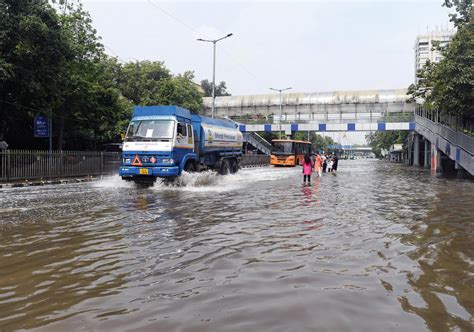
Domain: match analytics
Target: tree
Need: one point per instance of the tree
(89, 101)
(181, 91)
(463, 15)
(53, 63)
(448, 85)
(140, 81)
(318, 142)
(151, 83)
(221, 89)
(383, 140)
(32, 47)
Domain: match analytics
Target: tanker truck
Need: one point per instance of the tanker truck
(164, 141)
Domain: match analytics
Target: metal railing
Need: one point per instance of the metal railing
(30, 164)
(258, 141)
(465, 142)
(389, 117)
(456, 123)
(454, 129)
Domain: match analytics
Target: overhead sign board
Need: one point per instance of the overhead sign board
(339, 146)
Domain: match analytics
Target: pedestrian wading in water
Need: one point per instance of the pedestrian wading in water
(307, 168)
(318, 167)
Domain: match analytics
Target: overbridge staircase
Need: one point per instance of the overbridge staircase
(258, 142)
(255, 140)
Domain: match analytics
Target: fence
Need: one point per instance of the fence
(255, 160)
(456, 123)
(27, 164)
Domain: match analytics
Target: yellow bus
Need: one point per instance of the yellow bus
(288, 152)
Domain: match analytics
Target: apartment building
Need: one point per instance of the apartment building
(424, 47)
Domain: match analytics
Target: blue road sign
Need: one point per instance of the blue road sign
(41, 126)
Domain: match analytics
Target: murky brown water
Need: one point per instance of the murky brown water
(378, 247)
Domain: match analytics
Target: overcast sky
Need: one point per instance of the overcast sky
(308, 45)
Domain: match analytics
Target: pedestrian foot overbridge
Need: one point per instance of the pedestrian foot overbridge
(336, 107)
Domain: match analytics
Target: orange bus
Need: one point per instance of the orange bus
(288, 152)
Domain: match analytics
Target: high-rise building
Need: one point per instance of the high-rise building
(424, 47)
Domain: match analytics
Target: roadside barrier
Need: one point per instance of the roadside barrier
(35, 164)
(255, 160)
(16, 165)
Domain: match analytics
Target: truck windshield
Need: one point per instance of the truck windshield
(282, 148)
(150, 130)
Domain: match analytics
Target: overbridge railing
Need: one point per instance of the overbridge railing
(453, 129)
(31, 164)
(456, 123)
(258, 142)
(344, 118)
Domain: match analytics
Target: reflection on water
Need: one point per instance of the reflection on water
(377, 247)
(444, 252)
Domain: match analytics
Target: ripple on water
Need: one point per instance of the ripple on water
(376, 247)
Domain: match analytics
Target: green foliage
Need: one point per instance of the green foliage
(448, 85)
(150, 83)
(383, 140)
(463, 13)
(32, 49)
(318, 142)
(140, 81)
(180, 90)
(53, 64)
(221, 89)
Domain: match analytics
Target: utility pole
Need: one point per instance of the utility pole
(281, 112)
(214, 42)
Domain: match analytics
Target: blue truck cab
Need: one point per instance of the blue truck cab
(164, 141)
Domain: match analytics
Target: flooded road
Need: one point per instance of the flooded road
(379, 247)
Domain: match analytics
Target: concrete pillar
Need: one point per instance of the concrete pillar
(427, 154)
(416, 151)
(439, 165)
(408, 160)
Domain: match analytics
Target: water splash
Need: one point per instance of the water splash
(210, 181)
(114, 181)
(207, 181)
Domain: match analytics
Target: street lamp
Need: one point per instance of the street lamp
(281, 114)
(214, 68)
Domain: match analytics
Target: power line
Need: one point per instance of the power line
(47, 113)
(174, 18)
(200, 34)
(118, 56)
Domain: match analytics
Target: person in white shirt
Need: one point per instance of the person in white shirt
(329, 162)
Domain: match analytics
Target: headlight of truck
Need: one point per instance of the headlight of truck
(168, 161)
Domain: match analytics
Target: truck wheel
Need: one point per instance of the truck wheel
(234, 166)
(225, 168)
(190, 167)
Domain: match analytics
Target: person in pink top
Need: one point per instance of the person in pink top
(307, 168)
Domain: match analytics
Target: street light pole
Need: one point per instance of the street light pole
(214, 42)
(281, 112)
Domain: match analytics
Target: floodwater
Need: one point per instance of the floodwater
(379, 247)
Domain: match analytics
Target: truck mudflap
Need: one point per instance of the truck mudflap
(159, 171)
